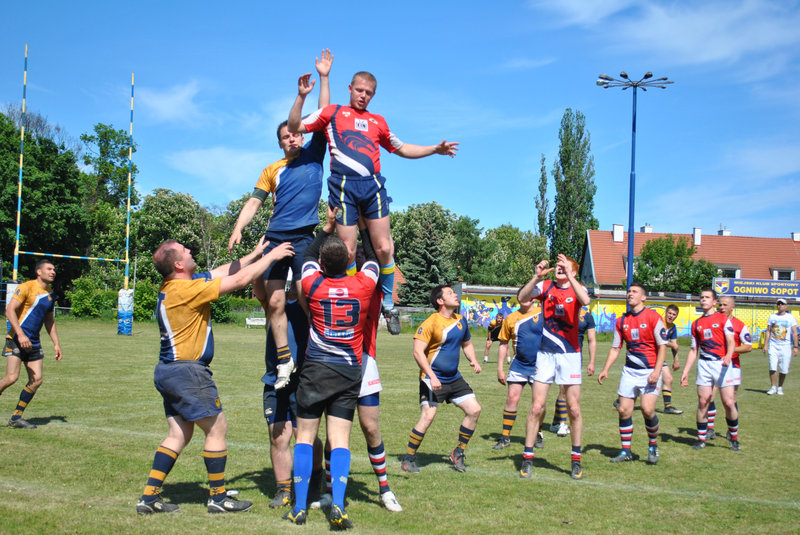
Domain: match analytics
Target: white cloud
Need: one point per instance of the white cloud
(767, 162)
(175, 104)
(525, 64)
(233, 171)
(583, 12)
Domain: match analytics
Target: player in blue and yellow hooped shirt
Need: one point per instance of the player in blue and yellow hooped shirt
(27, 310)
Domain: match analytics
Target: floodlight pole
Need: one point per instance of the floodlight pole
(605, 81)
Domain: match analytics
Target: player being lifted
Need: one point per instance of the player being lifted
(356, 185)
(295, 182)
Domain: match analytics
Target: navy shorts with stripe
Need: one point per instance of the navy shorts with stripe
(188, 389)
(354, 194)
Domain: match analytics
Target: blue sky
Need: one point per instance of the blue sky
(719, 147)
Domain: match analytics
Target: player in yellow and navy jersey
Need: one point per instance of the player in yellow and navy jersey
(523, 328)
(437, 349)
(182, 376)
(295, 183)
(27, 310)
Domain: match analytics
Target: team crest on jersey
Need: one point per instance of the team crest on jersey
(634, 334)
(460, 328)
(361, 124)
(569, 300)
(373, 121)
(346, 113)
(338, 292)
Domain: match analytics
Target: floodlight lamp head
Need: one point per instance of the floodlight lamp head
(624, 75)
(605, 77)
(602, 83)
(647, 75)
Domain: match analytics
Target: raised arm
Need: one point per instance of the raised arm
(580, 291)
(323, 69)
(245, 216)
(232, 267)
(304, 86)
(242, 277)
(526, 292)
(411, 151)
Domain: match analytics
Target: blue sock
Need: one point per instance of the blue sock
(386, 281)
(340, 471)
(303, 461)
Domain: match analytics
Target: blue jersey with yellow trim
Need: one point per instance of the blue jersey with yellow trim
(585, 322)
(444, 337)
(296, 187)
(184, 318)
(37, 302)
(525, 332)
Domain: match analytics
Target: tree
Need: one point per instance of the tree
(465, 246)
(667, 265)
(419, 235)
(542, 203)
(573, 177)
(510, 255)
(107, 153)
(52, 219)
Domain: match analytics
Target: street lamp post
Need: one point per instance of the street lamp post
(605, 81)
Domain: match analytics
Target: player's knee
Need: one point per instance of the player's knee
(35, 383)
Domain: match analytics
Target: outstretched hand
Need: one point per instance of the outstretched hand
(447, 149)
(542, 270)
(305, 84)
(324, 63)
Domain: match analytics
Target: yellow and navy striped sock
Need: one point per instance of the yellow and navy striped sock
(215, 465)
(508, 422)
(163, 462)
(464, 434)
(667, 398)
(284, 354)
(560, 415)
(414, 440)
(25, 397)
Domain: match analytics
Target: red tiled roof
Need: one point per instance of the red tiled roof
(399, 280)
(755, 256)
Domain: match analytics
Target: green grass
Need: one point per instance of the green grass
(100, 420)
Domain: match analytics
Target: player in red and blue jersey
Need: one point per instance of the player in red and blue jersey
(356, 186)
(742, 344)
(645, 338)
(437, 350)
(712, 348)
(330, 379)
(369, 403)
(559, 360)
(27, 311)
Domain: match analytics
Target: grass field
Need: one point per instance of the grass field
(100, 420)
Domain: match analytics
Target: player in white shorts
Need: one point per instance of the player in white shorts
(781, 345)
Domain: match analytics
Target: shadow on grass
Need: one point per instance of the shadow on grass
(186, 492)
(47, 419)
(756, 390)
(604, 450)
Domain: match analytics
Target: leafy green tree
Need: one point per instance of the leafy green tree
(510, 255)
(667, 265)
(542, 203)
(420, 233)
(573, 177)
(107, 153)
(53, 219)
(464, 245)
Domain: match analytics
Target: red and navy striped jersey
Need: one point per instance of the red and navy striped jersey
(354, 137)
(708, 335)
(642, 334)
(338, 308)
(561, 309)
